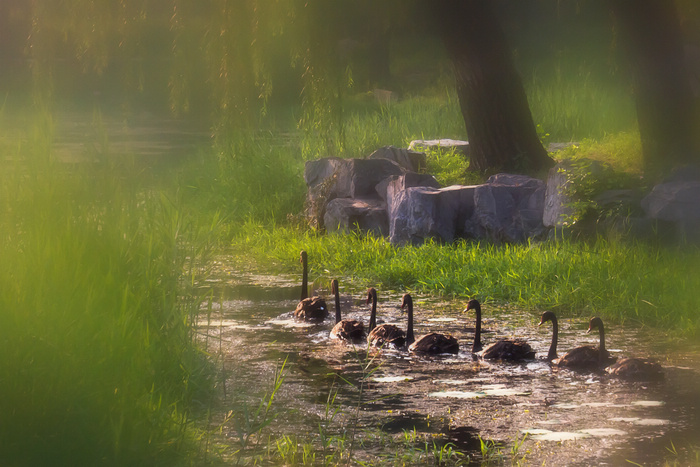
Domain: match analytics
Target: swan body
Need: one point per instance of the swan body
(588, 356)
(309, 308)
(345, 329)
(385, 334)
(505, 349)
(431, 343)
(636, 369)
(509, 349)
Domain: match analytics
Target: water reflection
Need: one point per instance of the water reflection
(582, 417)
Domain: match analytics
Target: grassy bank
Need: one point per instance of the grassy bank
(99, 361)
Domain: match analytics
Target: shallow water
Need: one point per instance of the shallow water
(569, 418)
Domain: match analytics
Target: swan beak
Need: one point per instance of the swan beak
(541, 323)
(589, 330)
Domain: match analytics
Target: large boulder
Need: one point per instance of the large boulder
(677, 205)
(674, 201)
(419, 213)
(349, 178)
(395, 183)
(366, 215)
(332, 177)
(508, 208)
(410, 160)
(556, 210)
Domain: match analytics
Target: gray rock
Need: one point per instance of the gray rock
(401, 182)
(508, 208)
(686, 173)
(359, 177)
(366, 215)
(349, 178)
(332, 177)
(420, 213)
(675, 201)
(622, 203)
(556, 203)
(442, 144)
(409, 160)
(319, 171)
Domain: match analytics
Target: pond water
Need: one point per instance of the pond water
(569, 418)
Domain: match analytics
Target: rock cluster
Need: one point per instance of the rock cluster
(388, 194)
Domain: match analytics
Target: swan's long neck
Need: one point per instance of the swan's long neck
(304, 278)
(477, 331)
(555, 338)
(373, 316)
(602, 353)
(338, 318)
(409, 330)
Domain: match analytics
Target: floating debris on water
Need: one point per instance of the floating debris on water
(488, 390)
(391, 379)
(603, 432)
(560, 436)
(648, 403)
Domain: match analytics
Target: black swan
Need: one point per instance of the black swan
(588, 356)
(384, 334)
(309, 308)
(345, 329)
(549, 316)
(636, 369)
(431, 343)
(505, 349)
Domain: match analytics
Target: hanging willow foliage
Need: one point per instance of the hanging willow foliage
(217, 57)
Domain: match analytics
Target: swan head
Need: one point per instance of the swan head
(473, 304)
(334, 286)
(547, 316)
(406, 301)
(303, 256)
(371, 294)
(595, 323)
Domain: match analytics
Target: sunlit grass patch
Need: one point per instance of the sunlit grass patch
(99, 362)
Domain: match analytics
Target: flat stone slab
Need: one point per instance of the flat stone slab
(444, 144)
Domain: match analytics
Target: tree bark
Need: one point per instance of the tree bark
(502, 135)
(651, 36)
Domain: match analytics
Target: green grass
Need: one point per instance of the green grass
(572, 101)
(99, 361)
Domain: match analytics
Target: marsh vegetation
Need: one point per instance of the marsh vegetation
(149, 264)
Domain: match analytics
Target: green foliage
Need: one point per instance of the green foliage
(586, 180)
(448, 167)
(571, 102)
(99, 363)
(622, 151)
(251, 178)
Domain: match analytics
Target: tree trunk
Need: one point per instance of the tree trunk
(501, 132)
(650, 32)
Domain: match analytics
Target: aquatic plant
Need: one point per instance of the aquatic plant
(100, 364)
